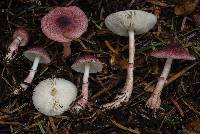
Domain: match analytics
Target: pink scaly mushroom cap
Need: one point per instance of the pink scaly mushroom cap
(23, 34)
(95, 64)
(38, 51)
(174, 52)
(64, 24)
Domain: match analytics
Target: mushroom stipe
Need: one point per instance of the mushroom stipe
(36, 55)
(20, 38)
(174, 51)
(86, 64)
(128, 23)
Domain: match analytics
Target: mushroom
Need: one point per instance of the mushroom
(64, 24)
(174, 51)
(86, 64)
(36, 55)
(54, 96)
(128, 23)
(20, 38)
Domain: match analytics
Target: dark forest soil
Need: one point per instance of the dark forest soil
(17, 113)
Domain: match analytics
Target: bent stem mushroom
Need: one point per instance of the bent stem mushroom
(171, 52)
(87, 64)
(128, 23)
(37, 55)
(20, 38)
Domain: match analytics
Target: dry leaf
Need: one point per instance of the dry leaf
(194, 127)
(186, 8)
(196, 18)
(118, 61)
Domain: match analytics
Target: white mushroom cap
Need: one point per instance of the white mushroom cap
(54, 96)
(37, 51)
(130, 20)
(92, 61)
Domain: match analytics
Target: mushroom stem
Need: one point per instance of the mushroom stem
(35, 63)
(154, 101)
(128, 87)
(13, 48)
(66, 49)
(82, 102)
(31, 75)
(131, 47)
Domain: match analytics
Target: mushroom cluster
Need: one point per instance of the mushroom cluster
(54, 96)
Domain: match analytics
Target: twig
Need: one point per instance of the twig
(177, 106)
(131, 3)
(9, 123)
(110, 47)
(35, 124)
(158, 3)
(105, 89)
(81, 43)
(191, 107)
(125, 128)
(183, 23)
(52, 124)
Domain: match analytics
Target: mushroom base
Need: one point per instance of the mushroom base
(125, 93)
(82, 103)
(154, 102)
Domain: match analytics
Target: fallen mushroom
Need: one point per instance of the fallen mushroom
(128, 23)
(173, 51)
(36, 55)
(87, 64)
(54, 96)
(64, 24)
(20, 38)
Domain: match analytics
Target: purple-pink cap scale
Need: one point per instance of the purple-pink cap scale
(23, 34)
(64, 24)
(174, 52)
(94, 62)
(37, 51)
